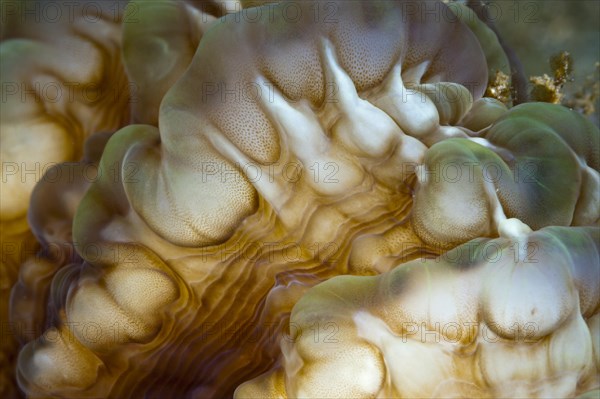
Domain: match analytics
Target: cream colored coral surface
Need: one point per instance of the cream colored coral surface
(304, 199)
(483, 320)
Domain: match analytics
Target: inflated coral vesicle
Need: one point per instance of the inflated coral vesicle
(62, 80)
(264, 152)
(220, 218)
(515, 316)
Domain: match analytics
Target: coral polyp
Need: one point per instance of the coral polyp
(279, 200)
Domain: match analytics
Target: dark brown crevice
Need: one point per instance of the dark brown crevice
(519, 81)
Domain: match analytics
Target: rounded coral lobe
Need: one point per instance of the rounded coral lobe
(273, 148)
(483, 320)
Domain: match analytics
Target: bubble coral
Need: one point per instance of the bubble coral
(61, 82)
(306, 150)
(63, 79)
(483, 320)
